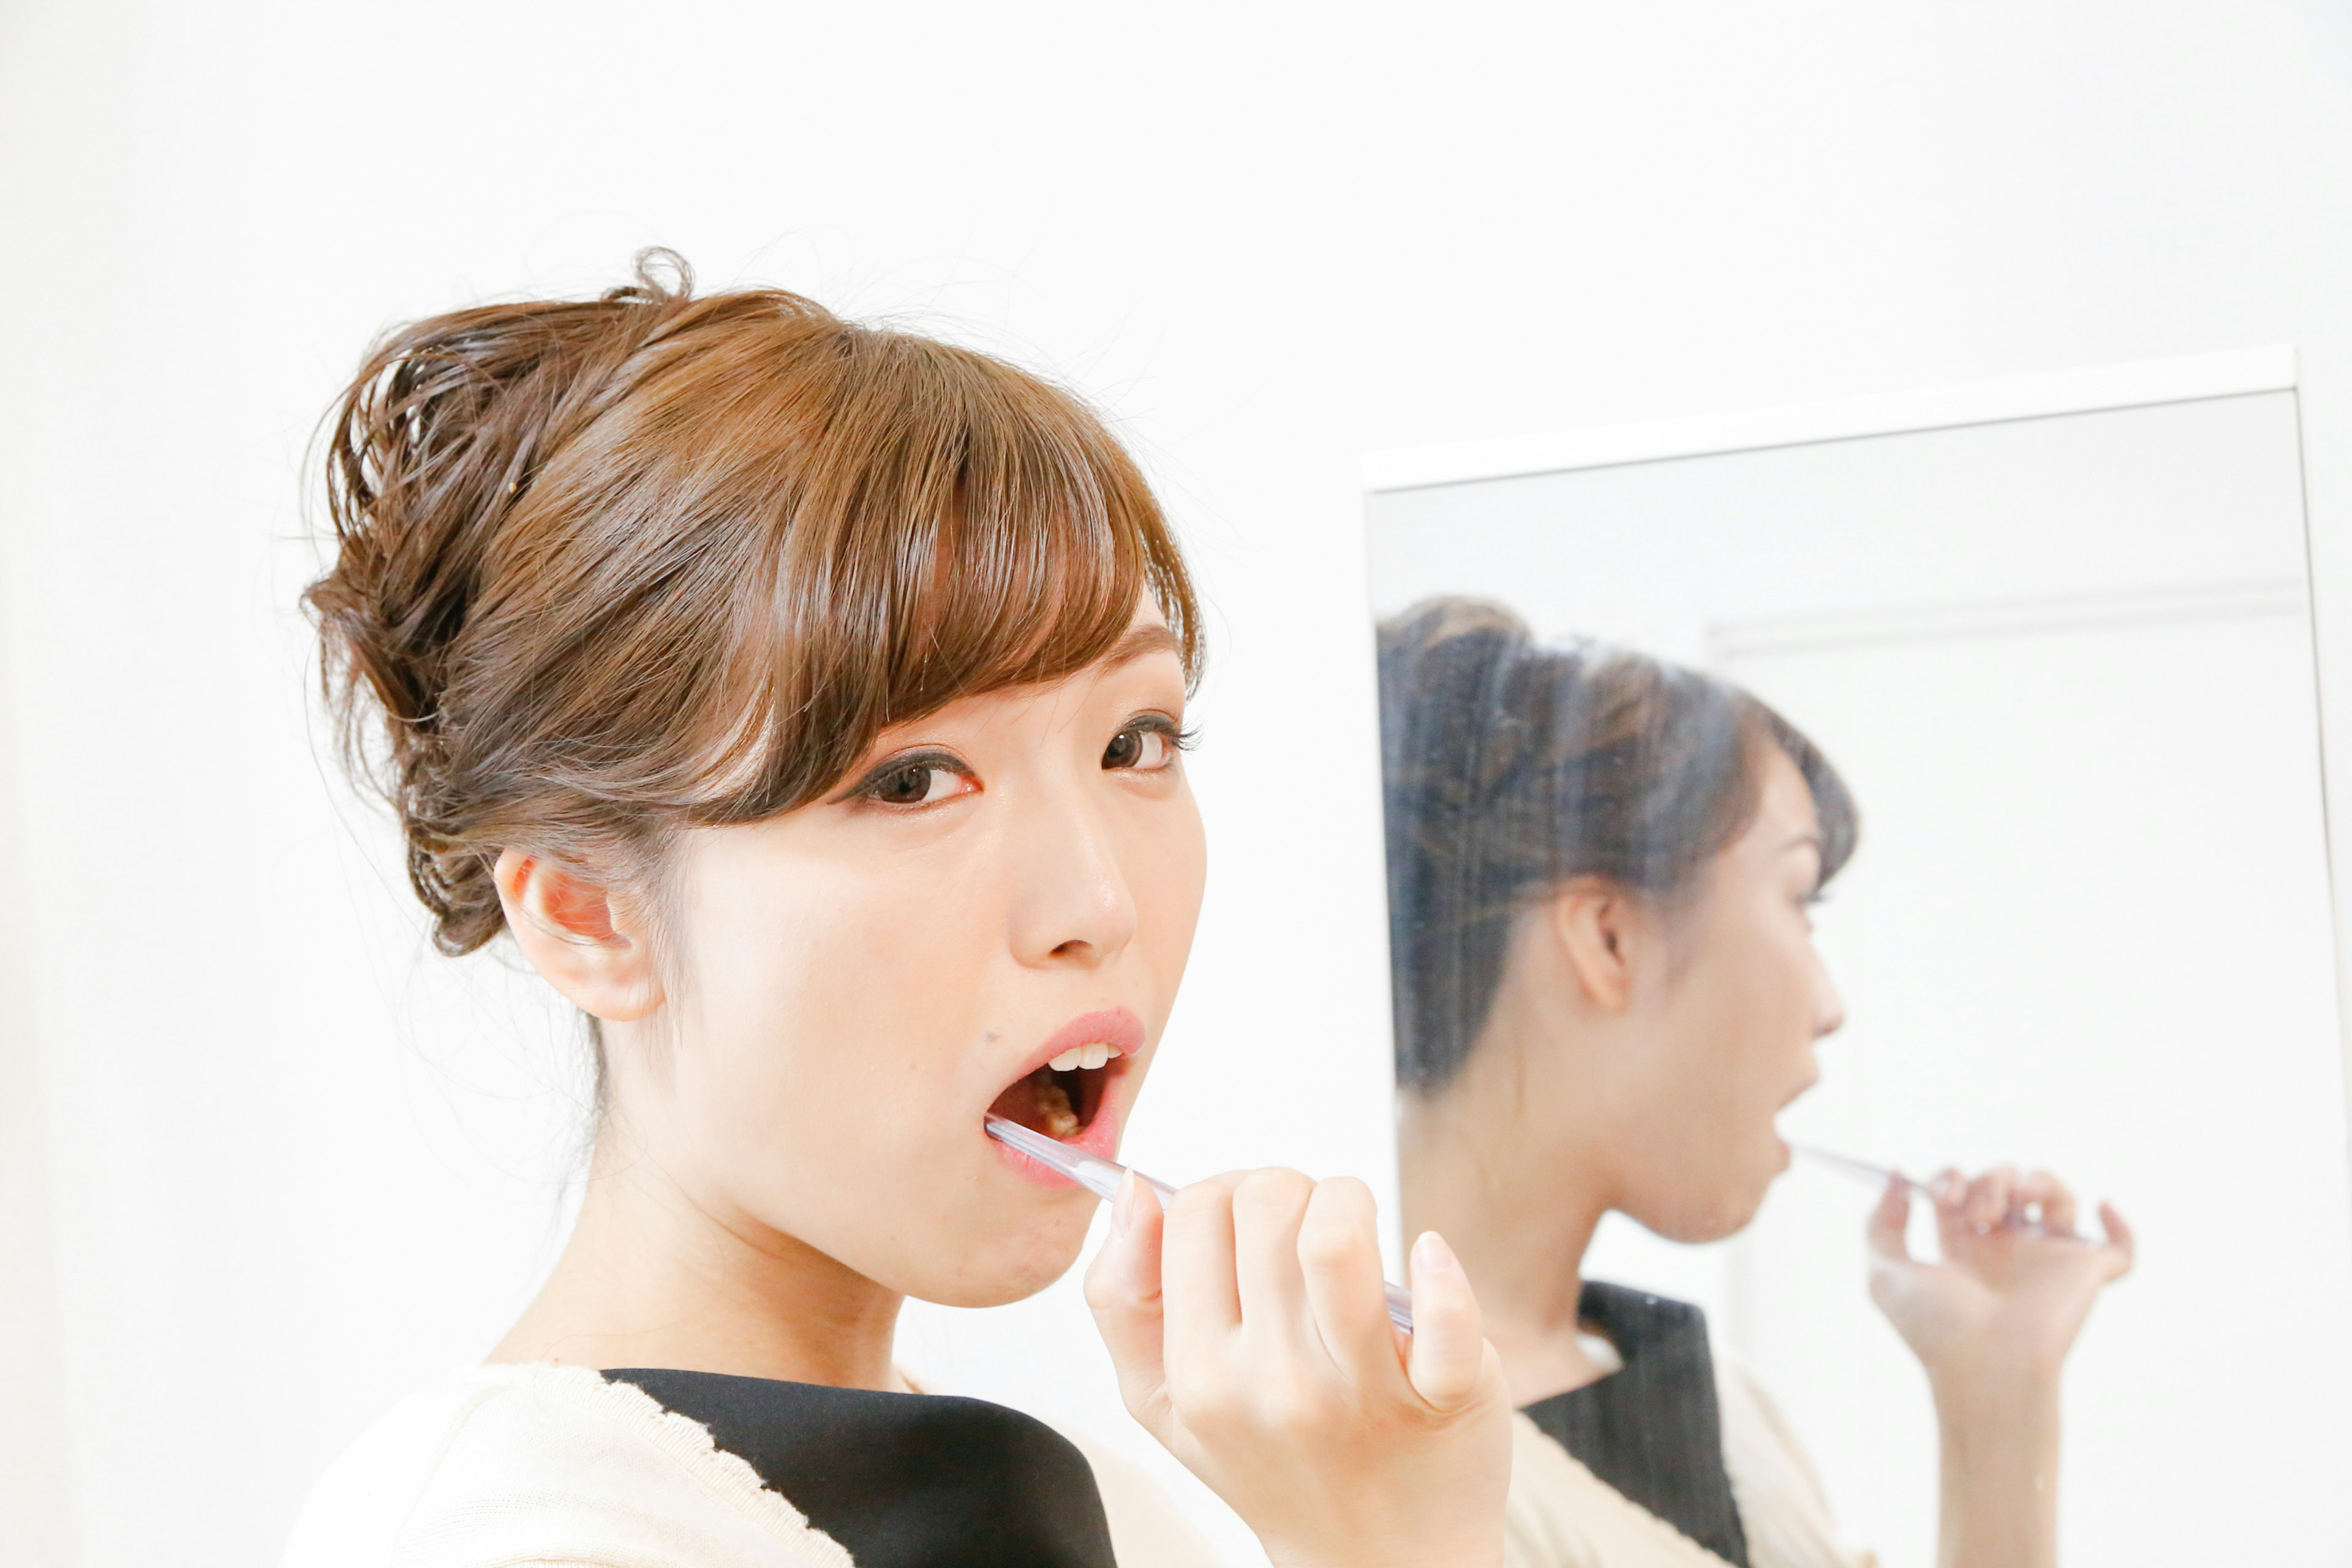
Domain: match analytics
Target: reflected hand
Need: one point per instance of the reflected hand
(2015, 1283)
(1255, 1344)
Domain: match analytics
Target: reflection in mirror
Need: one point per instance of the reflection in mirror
(1634, 720)
(1602, 874)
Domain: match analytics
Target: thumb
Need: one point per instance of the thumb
(2121, 1246)
(1123, 1291)
(1449, 1341)
(1889, 1224)
(1892, 1269)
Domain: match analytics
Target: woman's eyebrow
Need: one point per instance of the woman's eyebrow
(1140, 640)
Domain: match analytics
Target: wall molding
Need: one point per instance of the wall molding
(2020, 616)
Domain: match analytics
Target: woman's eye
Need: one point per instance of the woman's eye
(1145, 748)
(915, 784)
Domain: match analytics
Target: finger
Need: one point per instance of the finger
(1268, 1207)
(2121, 1244)
(1122, 1289)
(1950, 1191)
(1198, 1294)
(1890, 1224)
(1449, 1339)
(1339, 1259)
(2041, 1190)
(1988, 1197)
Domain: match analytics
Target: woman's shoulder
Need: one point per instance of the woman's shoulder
(1147, 1528)
(521, 1464)
(1559, 1514)
(1783, 1505)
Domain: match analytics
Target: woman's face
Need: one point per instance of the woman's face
(1009, 883)
(1730, 1025)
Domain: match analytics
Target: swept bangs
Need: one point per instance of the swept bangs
(811, 531)
(970, 529)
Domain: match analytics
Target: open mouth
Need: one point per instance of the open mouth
(1063, 1096)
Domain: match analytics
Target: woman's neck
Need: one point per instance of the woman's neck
(1519, 1208)
(652, 1277)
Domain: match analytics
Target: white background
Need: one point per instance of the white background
(266, 1162)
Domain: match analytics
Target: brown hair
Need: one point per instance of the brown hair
(1509, 769)
(610, 568)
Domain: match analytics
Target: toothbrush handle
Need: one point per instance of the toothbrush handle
(1400, 1306)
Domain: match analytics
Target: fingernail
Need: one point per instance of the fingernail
(1122, 1208)
(1431, 1255)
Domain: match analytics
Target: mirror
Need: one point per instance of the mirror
(2055, 639)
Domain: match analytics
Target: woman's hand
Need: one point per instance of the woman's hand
(2015, 1283)
(1992, 1323)
(1253, 1341)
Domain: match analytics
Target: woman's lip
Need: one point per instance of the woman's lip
(1099, 1137)
(1109, 1025)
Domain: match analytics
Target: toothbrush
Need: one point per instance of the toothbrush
(1860, 1170)
(1879, 1176)
(1101, 1177)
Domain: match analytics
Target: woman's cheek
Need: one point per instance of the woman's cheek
(1172, 859)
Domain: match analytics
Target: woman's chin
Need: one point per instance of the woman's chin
(1012, 1269)
(1712, 1215)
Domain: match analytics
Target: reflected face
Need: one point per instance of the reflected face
(1731, 1025)
(992, 909)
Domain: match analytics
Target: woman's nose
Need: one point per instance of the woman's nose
(1829, 1007)
(1073, 904)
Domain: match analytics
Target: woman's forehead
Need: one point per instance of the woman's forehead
(1785, 813)
(1149, 645)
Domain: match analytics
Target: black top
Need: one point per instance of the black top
(1651, 1429)
(902, 1479)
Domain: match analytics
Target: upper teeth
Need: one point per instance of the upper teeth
(1087, 1056)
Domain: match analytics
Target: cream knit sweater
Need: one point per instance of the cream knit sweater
(1561, 1515)
(549, 1466)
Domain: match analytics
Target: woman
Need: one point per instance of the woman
(1600, 874)
(806, 703)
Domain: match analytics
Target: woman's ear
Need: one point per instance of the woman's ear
(588, 943)
(1598, 926)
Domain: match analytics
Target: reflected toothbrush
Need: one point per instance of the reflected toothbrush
(1880, 1176)
(1101, 1177)
(1860, 1170)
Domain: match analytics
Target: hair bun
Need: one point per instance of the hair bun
(1446, 673)
(429, 449)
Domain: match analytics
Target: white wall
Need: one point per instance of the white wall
(293, 1164)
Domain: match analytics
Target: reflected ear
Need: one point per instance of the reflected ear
(1596, 925)
(584, 939)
